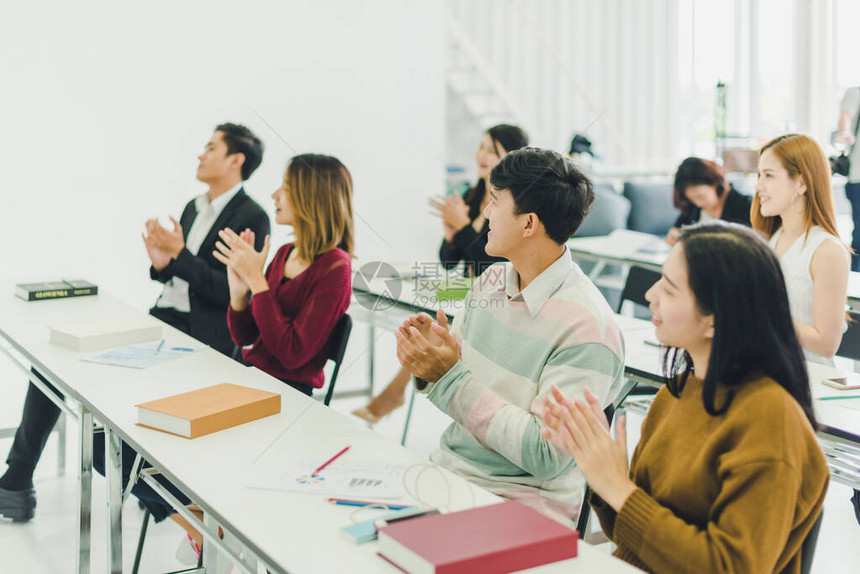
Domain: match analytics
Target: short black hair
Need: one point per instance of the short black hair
(549, 185)
(240, 139)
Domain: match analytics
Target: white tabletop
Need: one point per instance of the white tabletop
(291, 531)
(837, 416)
(623, 246)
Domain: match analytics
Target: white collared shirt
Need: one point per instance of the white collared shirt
(543, 286)
(175, 292)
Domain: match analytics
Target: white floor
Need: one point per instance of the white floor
(46, 545)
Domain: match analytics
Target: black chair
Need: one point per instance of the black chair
(639, 280)
(850, 345)
(339, 339)
(807, 549)
(585, 509)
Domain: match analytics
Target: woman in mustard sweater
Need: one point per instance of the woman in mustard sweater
(727, 476)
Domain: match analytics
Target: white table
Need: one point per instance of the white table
(284, 531)
(621, 247)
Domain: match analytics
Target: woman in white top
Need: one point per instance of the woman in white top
(793, 207)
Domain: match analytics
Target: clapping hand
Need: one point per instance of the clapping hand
(426, 348)
(453, 211)
(244, 263)
(162, 245)
(580, 428)
(170, 242)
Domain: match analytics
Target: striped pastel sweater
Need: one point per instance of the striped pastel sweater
(514, 346)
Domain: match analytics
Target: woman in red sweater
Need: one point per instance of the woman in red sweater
(727, 475)
(285, 325)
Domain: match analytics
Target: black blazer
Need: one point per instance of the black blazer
(736, 209)
(208, 292)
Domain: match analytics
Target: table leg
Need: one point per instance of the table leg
(85, 483)
(113, 477)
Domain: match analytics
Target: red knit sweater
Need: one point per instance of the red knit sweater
(289, 325)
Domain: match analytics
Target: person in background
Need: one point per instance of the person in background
(527, 324)
(195, 294)
(284, 318)
(465, 229)
(793, 208)
(846, 134)
(728, 475)
(285, 328)
(702, 193)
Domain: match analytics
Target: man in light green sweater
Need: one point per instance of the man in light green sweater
(527, 324)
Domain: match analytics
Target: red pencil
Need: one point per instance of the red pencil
(329, 461)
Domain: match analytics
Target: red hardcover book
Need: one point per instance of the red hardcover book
(492, 539)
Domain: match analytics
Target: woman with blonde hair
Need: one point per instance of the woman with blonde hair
(793, 208)
(286, 326)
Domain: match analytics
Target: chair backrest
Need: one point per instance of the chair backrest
(639, 280)
(339, 339)
(585, 510)
(807, 549)
(850, 345)
(651, 207)
(609, 212)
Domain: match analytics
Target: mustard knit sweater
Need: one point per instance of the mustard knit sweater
(737, 492)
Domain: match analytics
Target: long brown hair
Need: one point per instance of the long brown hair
(319, 188)
(801, 156)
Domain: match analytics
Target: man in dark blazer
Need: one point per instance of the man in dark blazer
(196, 294)
(194, 300)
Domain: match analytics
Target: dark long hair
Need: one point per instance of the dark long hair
(506, 138)
(736, 277)
(697, 171)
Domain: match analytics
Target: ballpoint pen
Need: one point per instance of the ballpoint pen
(345, 502)
(161, 344)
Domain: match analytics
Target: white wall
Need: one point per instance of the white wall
(609, 69)
(105, 107)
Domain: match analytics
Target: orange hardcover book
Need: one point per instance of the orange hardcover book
(494, 539)
(208, 410)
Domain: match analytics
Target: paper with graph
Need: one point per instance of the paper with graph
(140, 356)
(346, 478)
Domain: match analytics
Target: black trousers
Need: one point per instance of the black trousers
(37, 421)
(40, 415)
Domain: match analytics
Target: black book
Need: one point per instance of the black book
(55, 290)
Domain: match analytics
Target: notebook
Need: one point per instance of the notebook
(492, 539)
(93, 335)
(208, 410)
